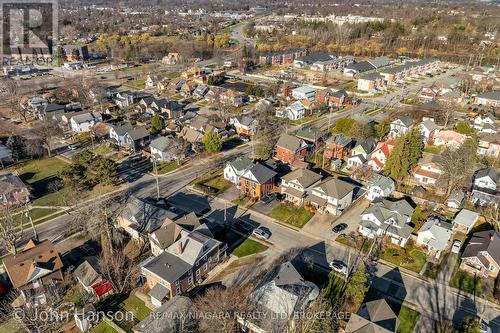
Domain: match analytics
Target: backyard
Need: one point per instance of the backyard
(249, 247)
(131, 306)
(409, 257)
(103, 327)
(295, 216)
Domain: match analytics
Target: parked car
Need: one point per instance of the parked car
(339, 267)
(243, 227)
(268, 198)
(74, 146)
(484, 328)
(455, 248)
(262, 233)
(339, 227)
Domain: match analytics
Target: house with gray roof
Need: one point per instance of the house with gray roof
(374, 316)
(485, 187)
(297, 184)
(136, 138)
(168, 317)
(290, 148)
(90, 277)
(283, 293)
(388, 218)
(244, 125)
(434, 236)
(84, 122)
(331, 196)
(140, 217)
(465, 220)
(456, 199)
(117, 133)
(236, 168)
(258, 181)
(13, 191)
(400, 126)
(382, 187)
(489, 98)
(182, 265)
(481, 256)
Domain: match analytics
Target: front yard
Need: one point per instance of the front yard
(164, 168)
(249, 247)
(407, 320)
(357, 242)
(213, 183)
(287, 213)
(409, 257)
(39, 174)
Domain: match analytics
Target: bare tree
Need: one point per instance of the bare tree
(179, 148)
(14, 96)
(47, 131)
(118, 268)
(10, 232)
(458, 166)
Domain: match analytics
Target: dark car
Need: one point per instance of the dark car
(268, 198)
(243, 227)
(339, 227)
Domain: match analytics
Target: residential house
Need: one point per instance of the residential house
(136, 138)
(428, 129)
(331, 196)
(283, 294)
(36, 272)
(168, 109)
(140, 217)
(309, 59)
(175, 85)
(161, 150)
(86, 317)
(449, 139)
(171, 231)
(151, 81)
(117, 133)
(381, 188)
(489, 99)
(398, 74)
(101, 130)
(489, 145)
(51, 110)
(165, 319)
(338, 98)
(358, 68)
(188, 88)
(232, 97)
(183, 265)
(297, 184)
(400, 126)
(481, 256)
(213, 94)
(374, 316)
(257, 181)
(244, 125)
(89, 276)
(379, 156)
(485, 187)
(371, 82)
(435, 236)
(338, 146)
(124, 99)
(200, 91)
(388, 218)
(428, 169)
(311, 135)
(13, 191)
(484, 121)
(85, 122)
(464, 221)
(236, 168)
(304, 92)
(191, 135)
(290, 148)
(294, 111)
(360, 153)
(456, 199)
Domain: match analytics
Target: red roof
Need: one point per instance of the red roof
(102, 288)
(378, 162)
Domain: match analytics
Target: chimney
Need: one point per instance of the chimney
(179, 247)
(492, 236)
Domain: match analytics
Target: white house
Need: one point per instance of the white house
(360, 153)
(380, 154)
(388, 218)
(124, 99)
(297, 184)
(400, 126)
(382, 187)
(84, 122)
(482, 121)
(456, 199)
(304, 92)
(428, 170)
(235, 169)
(464, 221)
(434, 236)
(151, 81)
(117, 133)
(294, 111)
(160, 149)
(485, 187)
(489, 145)
(331, 196)
(428, 129)
(449, 139)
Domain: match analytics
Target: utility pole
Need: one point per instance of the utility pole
(156, 176)
(28, 215)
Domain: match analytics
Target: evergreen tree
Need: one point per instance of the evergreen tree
(357, 287)
(212, 142)
(157, 123)
(405, 155)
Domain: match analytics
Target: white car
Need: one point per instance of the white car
(262, 233)
(455, 248)
(339, 267)
(484, 328)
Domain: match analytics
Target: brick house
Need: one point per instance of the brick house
(338, 146)
(290, 148)
(257, 181)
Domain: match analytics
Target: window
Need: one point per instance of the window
(190, 280)
(206, 266)
(177, 282)
(178, 290)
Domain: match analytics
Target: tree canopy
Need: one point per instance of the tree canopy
(405, 155)
(212, 142)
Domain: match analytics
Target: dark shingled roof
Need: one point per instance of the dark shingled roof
(488, 241)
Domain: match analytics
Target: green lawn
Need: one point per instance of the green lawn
(52, 199)
(218, 183)
(213, 183)
(410, 257)
(249, 247)
(39, 173)
(136, 84)
(136, 306)
(242, 201)
(36, 213)
(357, 242)
(104, 149)
(465, 281)
(167, 167)
(103, 327)
(296, 216)
(11, 326)
(407, 320)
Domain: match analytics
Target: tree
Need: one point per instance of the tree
(12, 90)
(462, 159)
(212, 142)
(118, 268)
(382, 129)
(105, 170)
(74, 175)
(46, 131)
(16, 144)
(356, 288)
(361, 130)
(470, 324)
(464, 127)
(405, 155)
(157, 123)
(10, 231)
(83, 157)
(344, 125)
(179, 148)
